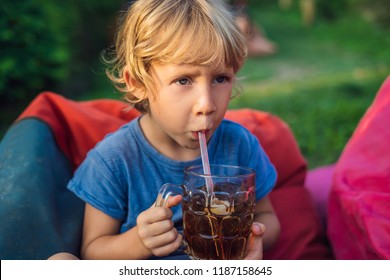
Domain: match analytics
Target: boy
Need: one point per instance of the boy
(175, 61)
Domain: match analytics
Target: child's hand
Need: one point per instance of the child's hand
(156, 230)
(255, 245)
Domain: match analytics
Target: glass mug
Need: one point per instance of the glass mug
(217, 222)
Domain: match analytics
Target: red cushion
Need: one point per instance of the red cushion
(303, 237)
(78, 126)
(359, 202)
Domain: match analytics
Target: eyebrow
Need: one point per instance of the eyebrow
(214, 70)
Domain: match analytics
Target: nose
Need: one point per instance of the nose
(205, 103)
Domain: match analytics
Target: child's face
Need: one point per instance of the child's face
(190, 98)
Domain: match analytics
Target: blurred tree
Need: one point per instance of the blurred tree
(51, 45)
(307, 8)
(308, 11)
(96, 26)
(331, 9)
(374, 10)
(34, 48)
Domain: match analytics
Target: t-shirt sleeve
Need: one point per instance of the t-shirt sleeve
(234, 144)
(95, 183)
(265, 171)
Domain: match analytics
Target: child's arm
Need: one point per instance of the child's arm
(265, 229)
(153, 235)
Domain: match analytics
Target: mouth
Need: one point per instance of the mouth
(196, 136)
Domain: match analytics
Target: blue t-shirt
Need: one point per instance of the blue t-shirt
(122, 175)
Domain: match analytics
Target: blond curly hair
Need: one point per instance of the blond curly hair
(200, 32)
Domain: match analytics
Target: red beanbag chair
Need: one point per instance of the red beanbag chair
(78, 126)
(359, 202)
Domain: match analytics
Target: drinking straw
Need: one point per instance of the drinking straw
(205, 161)
(210, 187)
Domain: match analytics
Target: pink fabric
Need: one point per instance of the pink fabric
(359, 201)
(318, 182)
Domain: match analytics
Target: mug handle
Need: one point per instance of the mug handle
(165, 192)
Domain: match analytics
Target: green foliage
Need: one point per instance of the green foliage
(35, 47)
(331, 9)
(51, 45)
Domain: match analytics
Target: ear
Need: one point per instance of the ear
(133, 85)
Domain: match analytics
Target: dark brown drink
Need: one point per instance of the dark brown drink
(217, 226)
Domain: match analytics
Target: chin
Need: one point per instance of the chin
(191, 145)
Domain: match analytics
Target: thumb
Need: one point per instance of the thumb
(258, 229)
(174, 200)
(171, 201)
(255, 242)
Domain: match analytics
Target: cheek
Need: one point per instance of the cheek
(169, 112)
(223, 98)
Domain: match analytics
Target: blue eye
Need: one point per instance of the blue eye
(221, 79)
(183, 81)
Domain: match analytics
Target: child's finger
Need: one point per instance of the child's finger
(171, 201)
(258, 229)
(174, 200)
(255, 243)
(169, 247)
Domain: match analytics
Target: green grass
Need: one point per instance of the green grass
(320, 82)
(321, 116)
